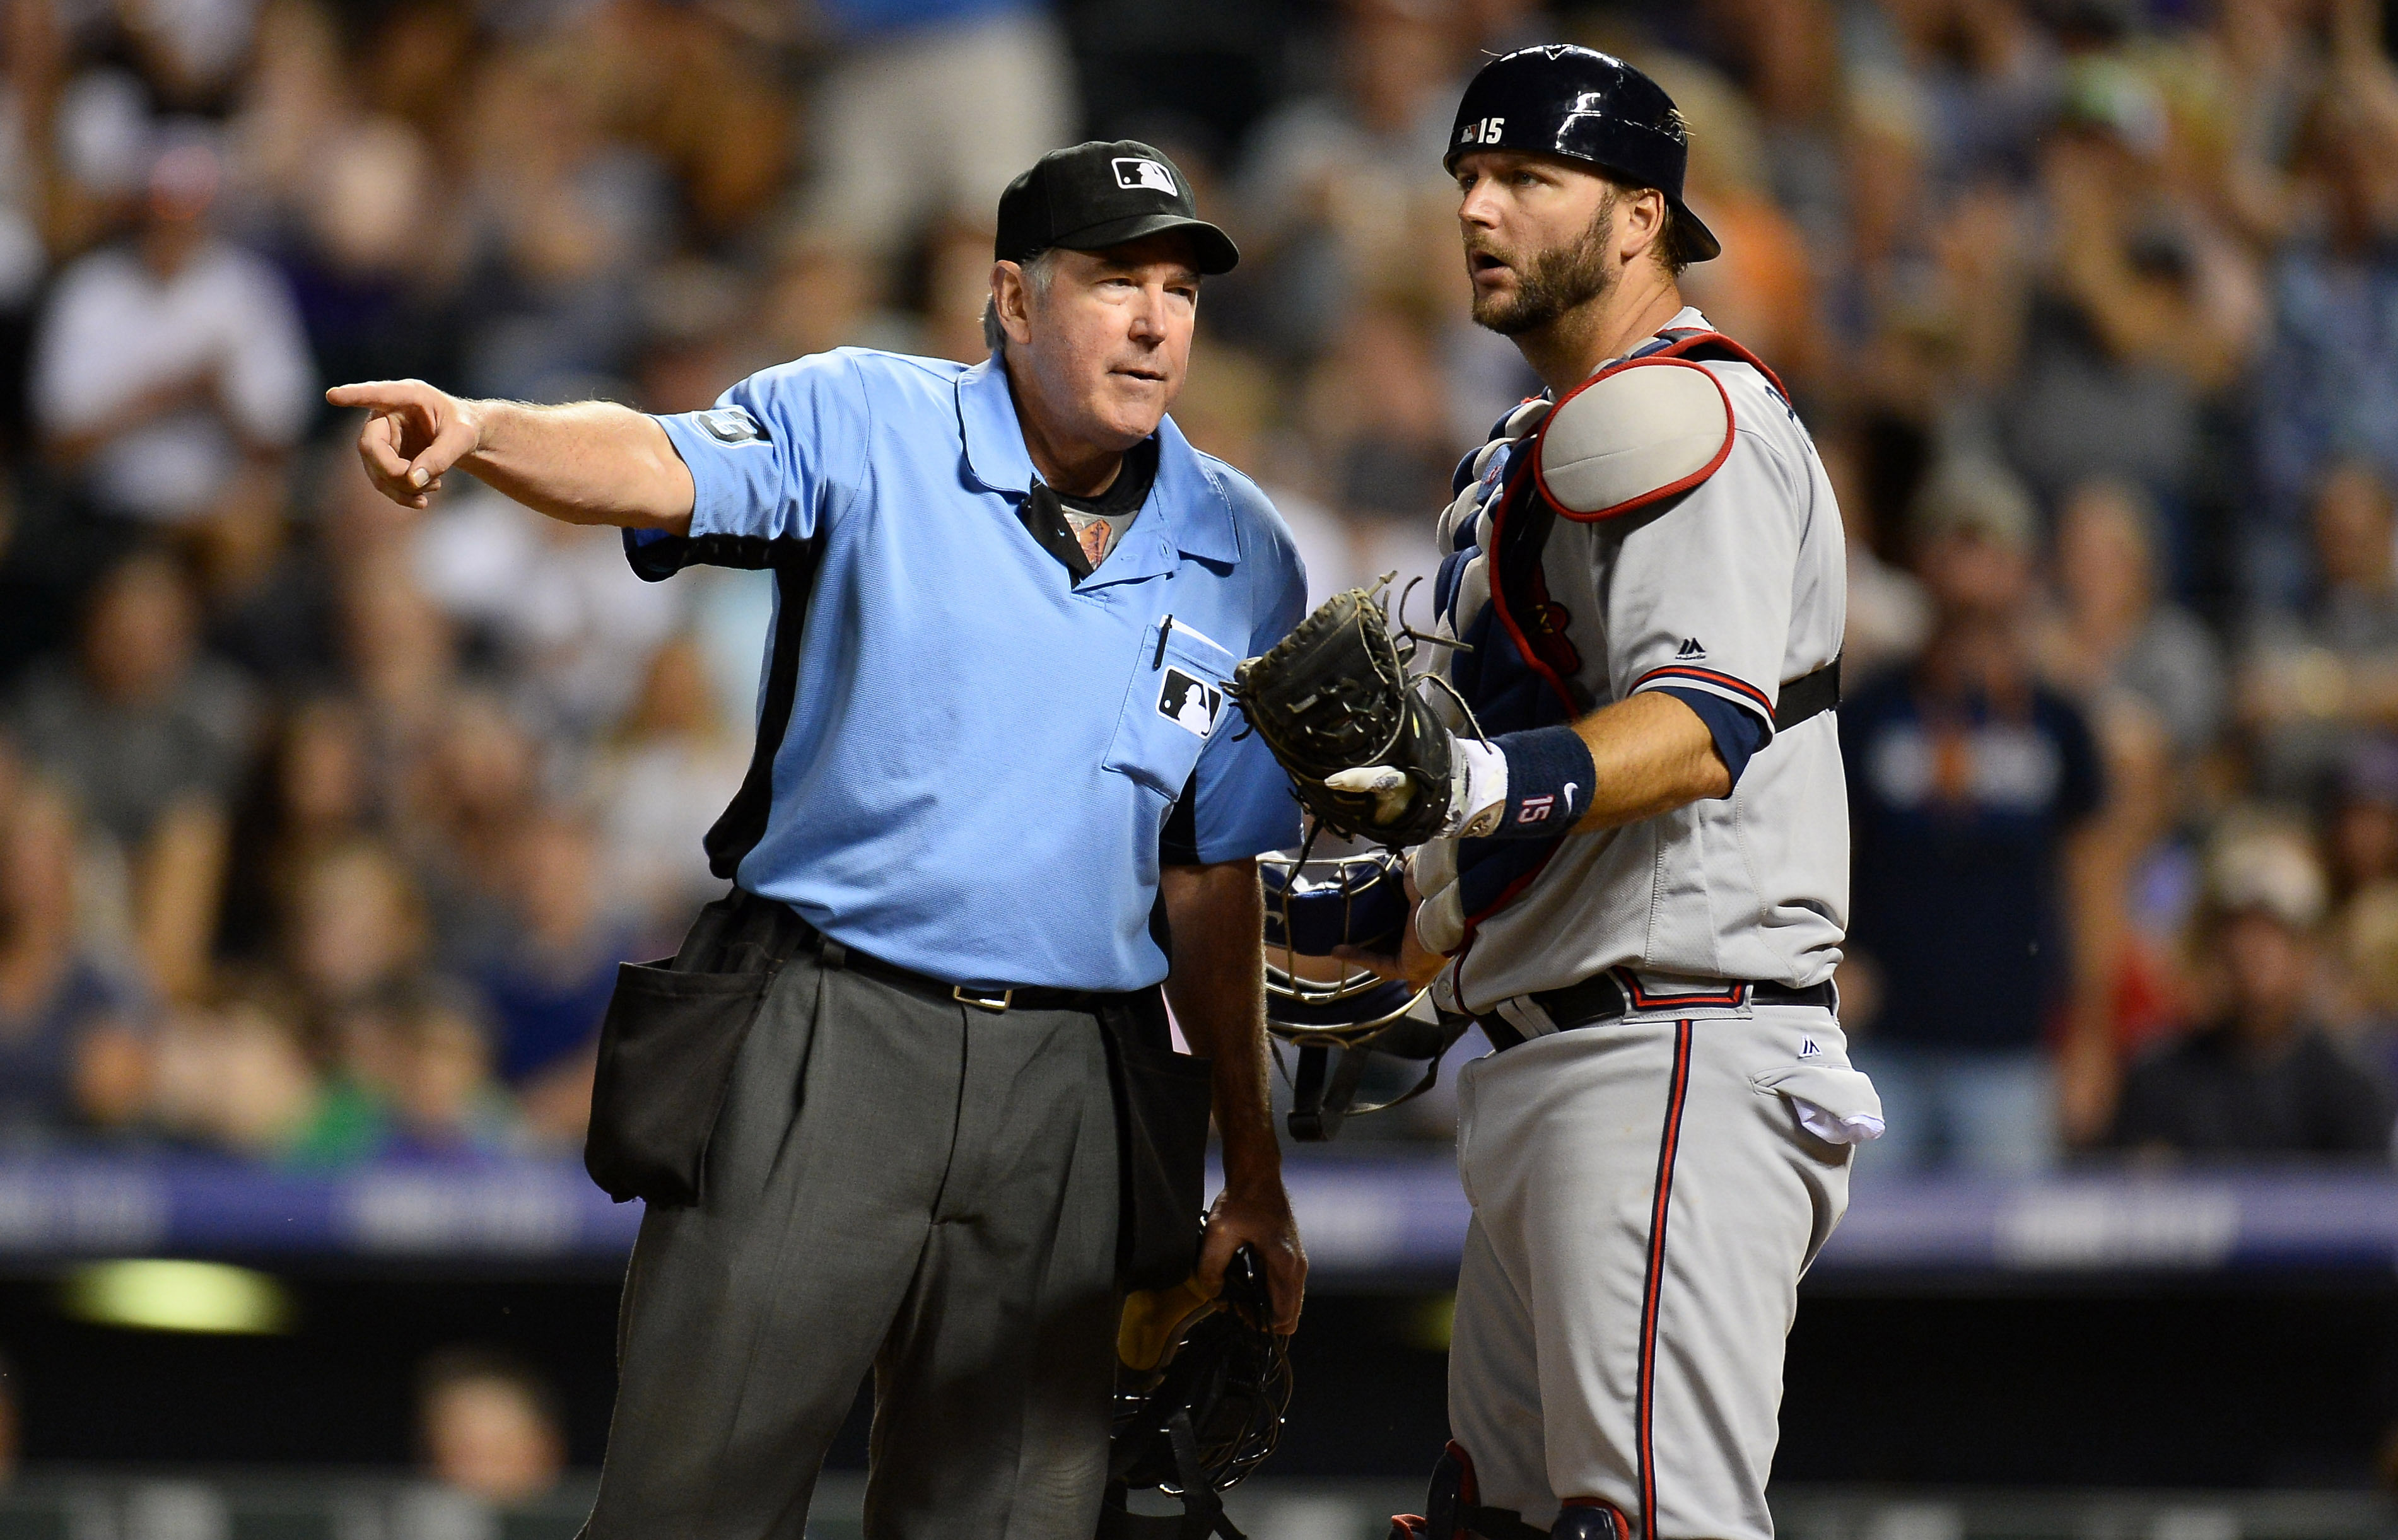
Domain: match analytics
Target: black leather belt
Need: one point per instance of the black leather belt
(1601, 999)
(833, 954)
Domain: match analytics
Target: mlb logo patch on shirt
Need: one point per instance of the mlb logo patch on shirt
(1135, 171)
(730, 426)
(1189, 702)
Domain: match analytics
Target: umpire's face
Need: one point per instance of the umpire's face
(1100, 340)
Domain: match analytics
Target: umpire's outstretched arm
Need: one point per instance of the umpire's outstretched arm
(593, 463)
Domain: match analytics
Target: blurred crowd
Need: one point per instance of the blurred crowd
(323, 824)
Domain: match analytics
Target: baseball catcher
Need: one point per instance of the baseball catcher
(1627, 840)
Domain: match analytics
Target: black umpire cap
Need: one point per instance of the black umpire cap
(1103, 193)
(1560, 99)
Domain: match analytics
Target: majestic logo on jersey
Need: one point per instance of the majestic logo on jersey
(730, 426)
(1808, 1050)
(1188, 703)
(1134, 171)
(1691, 650)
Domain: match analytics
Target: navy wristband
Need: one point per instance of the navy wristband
(1549, 778)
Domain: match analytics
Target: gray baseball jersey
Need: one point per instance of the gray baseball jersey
(1647, 1189)
(1730, 586)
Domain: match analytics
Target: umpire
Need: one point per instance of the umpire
(905, 1099)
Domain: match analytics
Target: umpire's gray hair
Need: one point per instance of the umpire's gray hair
(1040, 271)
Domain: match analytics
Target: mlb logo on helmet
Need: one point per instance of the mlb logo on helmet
(1136, 171)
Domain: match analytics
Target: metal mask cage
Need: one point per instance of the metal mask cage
(1356, 1004)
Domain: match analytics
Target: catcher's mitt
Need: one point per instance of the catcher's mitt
(1334, 695)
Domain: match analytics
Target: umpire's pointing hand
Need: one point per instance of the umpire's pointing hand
(413, 434)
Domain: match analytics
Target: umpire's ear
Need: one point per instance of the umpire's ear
(1009, 315)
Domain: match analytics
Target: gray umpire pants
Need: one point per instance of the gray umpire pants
(898, 1181)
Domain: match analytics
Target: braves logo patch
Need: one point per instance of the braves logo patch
(1189, 702)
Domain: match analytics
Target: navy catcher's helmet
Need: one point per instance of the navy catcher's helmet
(1201, 1388)
(1319, 1003)
(1560, 99)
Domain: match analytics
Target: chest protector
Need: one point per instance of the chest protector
(1518, 667)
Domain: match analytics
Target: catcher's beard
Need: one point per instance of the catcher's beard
(1553, 282)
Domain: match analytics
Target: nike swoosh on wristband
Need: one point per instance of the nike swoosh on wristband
(1569, 791)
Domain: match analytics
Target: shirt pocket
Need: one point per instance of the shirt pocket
(1175, 704)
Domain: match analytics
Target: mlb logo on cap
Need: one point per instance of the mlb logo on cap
(1107, 193)
(1134, 171)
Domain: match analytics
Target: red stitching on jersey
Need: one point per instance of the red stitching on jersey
(1666, 359)
(1652, 1287)
(1642, 1001)
(1708, 675)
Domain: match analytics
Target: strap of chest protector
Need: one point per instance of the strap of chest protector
(1809, 695)
(1323, 1091)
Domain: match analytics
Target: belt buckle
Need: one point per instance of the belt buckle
(982, 999)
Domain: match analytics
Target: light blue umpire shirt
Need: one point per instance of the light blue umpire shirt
(981, 756)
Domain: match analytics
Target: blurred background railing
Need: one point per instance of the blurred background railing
(323, 825)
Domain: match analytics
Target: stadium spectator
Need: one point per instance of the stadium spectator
(2134, 888)
(910, 129)
(1338, 181)
(1388, 454)
(356, 927)
(2142, 308)
(488, 1425)
(549, 972)
(2310, 680)
(153, 737)
(171, 376)
(553, 603)
(2326, 388)
(1970, 784)
(2261, 1077)
(1888, 614)
(414, 1068)
(313, 791)
(2361, 832)
(236, 1077)
(672, 769)
(2111, 632)
(471, 778)
(73, 1055)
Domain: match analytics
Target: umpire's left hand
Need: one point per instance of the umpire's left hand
(1263, 1220)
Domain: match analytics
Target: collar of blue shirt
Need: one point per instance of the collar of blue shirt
(1197, 506)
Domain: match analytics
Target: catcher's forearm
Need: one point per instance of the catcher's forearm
(1648, 755)
(1216, 988)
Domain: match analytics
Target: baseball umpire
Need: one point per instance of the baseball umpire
(904, 1100)
(1632, 858)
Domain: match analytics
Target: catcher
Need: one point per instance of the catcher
(1630, 841)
